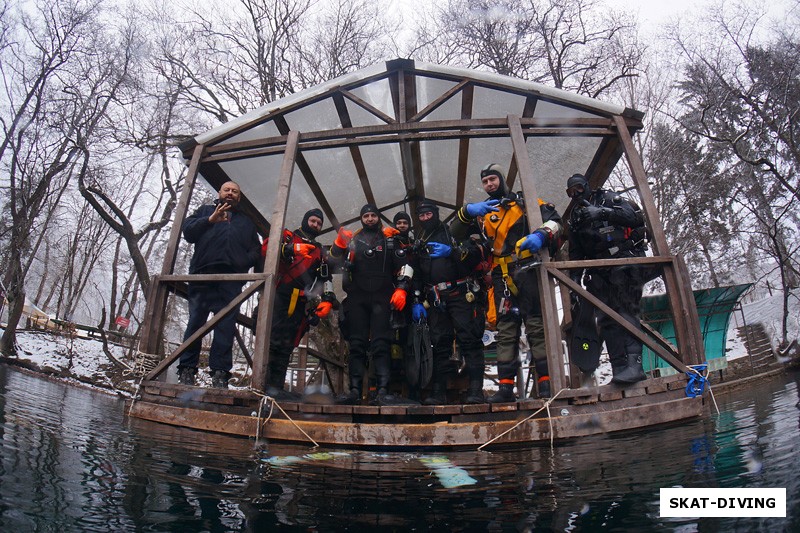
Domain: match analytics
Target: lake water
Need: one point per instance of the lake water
(71, 461)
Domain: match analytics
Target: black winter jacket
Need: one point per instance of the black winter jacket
(226, 247)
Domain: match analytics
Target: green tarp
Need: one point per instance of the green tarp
(714, 308)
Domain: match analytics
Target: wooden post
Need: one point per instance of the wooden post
(265, 304)
(552, 330)
(681, 299)
(153, 325)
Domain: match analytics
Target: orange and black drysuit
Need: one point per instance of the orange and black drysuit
(515, 287)
(300, 276)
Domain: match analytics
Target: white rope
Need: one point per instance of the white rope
(265, 397)
(515, 426)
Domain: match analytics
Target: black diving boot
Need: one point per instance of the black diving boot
(349, 398)
(282, 395)
(632, 373)
(475, 391)
(543, 387)
(384, 398)
(504, 394)
(438, 395)
(186, 375)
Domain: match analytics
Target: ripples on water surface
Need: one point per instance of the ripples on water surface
(72, 462)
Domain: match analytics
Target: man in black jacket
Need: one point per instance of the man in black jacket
(446, 280)
(605, 225)
(225, 242)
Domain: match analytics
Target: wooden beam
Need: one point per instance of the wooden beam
(265, 304)
(552, 331)
(308, 174)
(153, 326)
(681, 299)
(463, 144)
(527, 113)
(430, 108)
(355, 152)
(367, 107)
(647, 341)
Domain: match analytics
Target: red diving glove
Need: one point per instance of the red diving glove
(389, 232)
(323, 309)
(343, 238)
(303, 250)
(398, 299)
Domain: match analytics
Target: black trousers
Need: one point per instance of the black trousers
(621, 289)
(205, 298)
(366, 328)
(454, 318)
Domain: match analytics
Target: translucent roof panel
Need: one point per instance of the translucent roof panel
(429, 89)
(450, 109)
(258, 179)
(492, 103)
(439, 169)
(319, 116)
(545, 109)
(377, 94)
(336, 175)
(262, 131)
(385, 171)
(360, 116)
(481, 153)
(554, 159)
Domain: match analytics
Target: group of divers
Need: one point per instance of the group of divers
(412, 295)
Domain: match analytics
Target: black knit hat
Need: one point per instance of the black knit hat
(426, 206)
(369, 208)
(402, 215)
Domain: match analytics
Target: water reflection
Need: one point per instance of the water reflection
(72, 462)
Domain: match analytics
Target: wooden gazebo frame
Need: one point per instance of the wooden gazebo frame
(597, 135)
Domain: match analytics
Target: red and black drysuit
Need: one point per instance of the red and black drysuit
(300, 276)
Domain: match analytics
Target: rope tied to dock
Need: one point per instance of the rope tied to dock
(546, 406)
(698, 381)
(262, 402)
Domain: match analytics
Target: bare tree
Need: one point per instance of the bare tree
(49, 108)
(570, 44)
(344, 36)
(742, 92)
(235, 60)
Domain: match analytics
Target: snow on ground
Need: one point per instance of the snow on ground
(768, 311)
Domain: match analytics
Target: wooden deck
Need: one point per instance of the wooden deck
(573, 413)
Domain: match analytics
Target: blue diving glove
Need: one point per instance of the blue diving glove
(418, 312)
(533, 242)
(437, 249)
(481, 208)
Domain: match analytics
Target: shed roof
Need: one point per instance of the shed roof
(400, 130)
